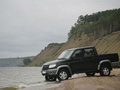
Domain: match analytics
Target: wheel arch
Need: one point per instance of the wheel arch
(105, 63)
(66, 67)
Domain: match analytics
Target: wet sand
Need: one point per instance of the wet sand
(96, 82)
(37, 86)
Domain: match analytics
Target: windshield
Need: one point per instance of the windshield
(65, 54)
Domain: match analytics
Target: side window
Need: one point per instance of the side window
(88, 52)
(78, 54)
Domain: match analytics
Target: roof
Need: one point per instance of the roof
(80, 48)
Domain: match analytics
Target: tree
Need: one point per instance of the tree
(99, 24)
(26, 61)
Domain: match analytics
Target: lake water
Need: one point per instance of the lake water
(24, 78)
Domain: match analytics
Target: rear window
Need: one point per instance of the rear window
(89, 52)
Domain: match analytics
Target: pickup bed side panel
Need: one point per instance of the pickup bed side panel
(111, 57)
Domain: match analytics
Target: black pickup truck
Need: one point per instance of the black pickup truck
(79, 60)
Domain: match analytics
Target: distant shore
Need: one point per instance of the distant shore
(92, 83)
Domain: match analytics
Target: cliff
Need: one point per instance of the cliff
(107, 44)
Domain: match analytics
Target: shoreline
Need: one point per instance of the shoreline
(34, 86)
(9, 88)
(77, 82)
(96, 82)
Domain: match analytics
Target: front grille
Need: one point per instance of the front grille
(45, 67)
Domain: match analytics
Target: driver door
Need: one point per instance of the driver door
(76, 62)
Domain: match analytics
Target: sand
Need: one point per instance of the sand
(96, 82)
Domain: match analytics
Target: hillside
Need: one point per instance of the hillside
(47, 54)
(101, 30)
(12, 62)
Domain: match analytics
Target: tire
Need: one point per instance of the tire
(63, 74)
(105, 71)
(46, 78)
(50, 78)
(90, 73)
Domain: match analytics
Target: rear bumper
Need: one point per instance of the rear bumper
(49, 72)
(115, 64)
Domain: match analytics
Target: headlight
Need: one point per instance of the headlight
(52, 65)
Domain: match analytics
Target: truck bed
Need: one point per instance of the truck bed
(112, 57)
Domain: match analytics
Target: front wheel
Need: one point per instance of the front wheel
(50, 78)
(63, 75)
(105, 71)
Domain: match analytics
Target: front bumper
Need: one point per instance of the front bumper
(49, 72)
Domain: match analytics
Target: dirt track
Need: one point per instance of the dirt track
(92, 83)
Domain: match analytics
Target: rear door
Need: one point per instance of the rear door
(90, 59)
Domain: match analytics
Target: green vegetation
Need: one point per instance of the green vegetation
(106, 21)
(13, 62)
(26, 61)
(58, 44)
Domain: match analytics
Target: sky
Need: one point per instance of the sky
(28, 26)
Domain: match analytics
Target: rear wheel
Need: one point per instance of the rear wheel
(63, 75)
(90, 73)
(105, 71)
(50, 78)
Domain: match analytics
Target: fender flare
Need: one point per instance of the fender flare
(64, 66)
(103, 61)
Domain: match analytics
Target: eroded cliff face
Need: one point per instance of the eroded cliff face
(107, 44)
(45, 55)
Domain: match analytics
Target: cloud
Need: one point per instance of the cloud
(27, 26)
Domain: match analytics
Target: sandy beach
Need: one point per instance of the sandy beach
(96, 82)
